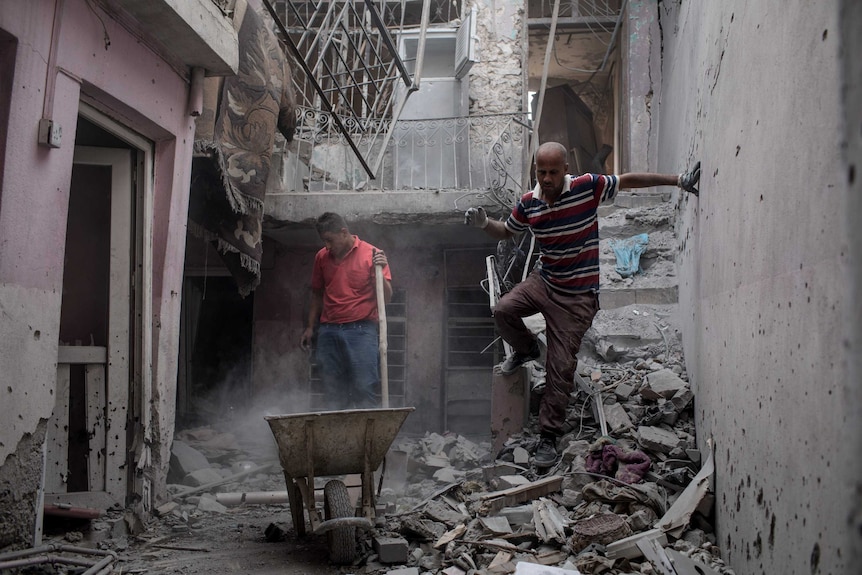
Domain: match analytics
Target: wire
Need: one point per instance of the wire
(106, 38)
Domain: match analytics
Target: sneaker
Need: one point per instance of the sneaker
(546, 453)
(517, 359)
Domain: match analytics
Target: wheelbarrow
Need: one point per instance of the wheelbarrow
(329, 443)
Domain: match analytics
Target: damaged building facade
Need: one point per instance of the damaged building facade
(96, 135)
(764, 94)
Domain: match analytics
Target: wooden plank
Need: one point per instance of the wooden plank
(655, 554)
(57, 458)
(94, 386)
(497, 500)
(628, 547)
(82, 354)
(120, 289)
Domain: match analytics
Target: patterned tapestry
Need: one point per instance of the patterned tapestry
(234, 139)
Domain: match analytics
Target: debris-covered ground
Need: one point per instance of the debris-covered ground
(629, 494)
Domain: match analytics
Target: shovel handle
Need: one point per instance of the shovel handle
(383, 337)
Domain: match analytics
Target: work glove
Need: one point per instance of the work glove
(476, 217)
(688, 180)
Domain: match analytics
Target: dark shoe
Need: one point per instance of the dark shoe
(516, 360)
(546, 453)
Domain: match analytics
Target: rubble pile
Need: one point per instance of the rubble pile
(630, 492)
(629, 455)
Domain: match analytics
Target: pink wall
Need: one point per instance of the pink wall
(130, 83)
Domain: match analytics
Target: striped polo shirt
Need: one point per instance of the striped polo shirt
(568, 232)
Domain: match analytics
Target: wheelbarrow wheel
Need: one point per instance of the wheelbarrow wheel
(341, 540)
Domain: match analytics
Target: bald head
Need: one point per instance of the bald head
(552, 151)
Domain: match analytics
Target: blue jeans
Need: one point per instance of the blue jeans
(349, 360)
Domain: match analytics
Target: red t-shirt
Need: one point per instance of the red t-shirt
(348, 285)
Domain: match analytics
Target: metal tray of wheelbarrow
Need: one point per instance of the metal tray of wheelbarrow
(327, 443)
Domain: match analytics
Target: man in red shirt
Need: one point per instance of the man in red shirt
(344, 300)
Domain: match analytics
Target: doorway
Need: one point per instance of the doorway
(103, 358)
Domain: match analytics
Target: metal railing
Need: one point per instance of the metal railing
(574, 8)
(478, 153)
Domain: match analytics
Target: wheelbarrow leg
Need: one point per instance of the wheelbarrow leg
(294, 499)
(368, 475)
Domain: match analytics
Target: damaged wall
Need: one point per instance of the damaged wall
(766, 256)
(121, 75)
(496, 81)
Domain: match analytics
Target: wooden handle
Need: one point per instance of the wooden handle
(381, 314)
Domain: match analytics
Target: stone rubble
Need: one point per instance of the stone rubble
(457, 508)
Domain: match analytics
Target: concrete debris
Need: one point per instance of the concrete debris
(452, 506)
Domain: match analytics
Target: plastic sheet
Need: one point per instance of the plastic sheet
(628, 253)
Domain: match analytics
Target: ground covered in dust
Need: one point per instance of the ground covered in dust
(452, 506)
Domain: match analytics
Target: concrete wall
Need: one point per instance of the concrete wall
(496, 81)
(131, 83)
(767, 254)
(850, 16)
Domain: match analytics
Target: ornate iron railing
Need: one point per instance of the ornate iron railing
(477, 153)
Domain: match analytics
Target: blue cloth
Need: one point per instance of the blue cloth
(628, 253)
(349, 360)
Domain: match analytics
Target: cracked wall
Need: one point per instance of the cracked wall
(496, 81)
(754, 91)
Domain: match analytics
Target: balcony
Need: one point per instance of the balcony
(425, 167)
(597, 16)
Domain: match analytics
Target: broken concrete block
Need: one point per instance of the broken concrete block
(498, 525)
(449, 475)
(507, 481)
(520, 515)
(444, 513)
(682, 398)
(624, 391)
(450, 535)
(434, 462)
(202, 477)
(521, 456)
(404, 571)
(616, 418)
(185, 459)
(391, 549)
(210, 505)
(165, 509)
(658, 439)
(431, 561)
(491, 472)
(665, 383)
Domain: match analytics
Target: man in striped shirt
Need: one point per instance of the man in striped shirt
(561, 212)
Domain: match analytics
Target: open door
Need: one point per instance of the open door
(87, 445)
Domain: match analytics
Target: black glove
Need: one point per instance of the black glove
(688, 180)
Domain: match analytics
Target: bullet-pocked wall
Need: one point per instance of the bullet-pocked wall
(754, 91)
(53, 56)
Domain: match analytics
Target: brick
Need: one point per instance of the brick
(391, 549)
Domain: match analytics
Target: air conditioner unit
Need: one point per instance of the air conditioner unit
(466, 45)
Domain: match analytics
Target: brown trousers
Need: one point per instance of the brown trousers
(567, 318)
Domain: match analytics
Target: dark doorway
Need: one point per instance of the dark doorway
(216, 351)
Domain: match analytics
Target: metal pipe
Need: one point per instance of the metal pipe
(196, 92)
(613, 36)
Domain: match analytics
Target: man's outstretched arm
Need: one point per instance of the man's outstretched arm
(686, 180)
